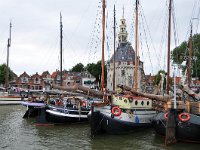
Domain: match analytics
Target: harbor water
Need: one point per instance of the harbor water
(17, 133)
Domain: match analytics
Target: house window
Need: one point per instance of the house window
(37, 81)
(24, 80)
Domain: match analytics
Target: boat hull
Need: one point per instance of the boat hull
(103, 121)
(57, 117)
(33, 108)
(185, 131)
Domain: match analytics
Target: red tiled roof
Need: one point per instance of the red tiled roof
(54, 74)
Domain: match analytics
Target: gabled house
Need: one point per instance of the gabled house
(36, 82)
(23, 81)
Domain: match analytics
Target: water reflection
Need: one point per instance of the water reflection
(21, 134)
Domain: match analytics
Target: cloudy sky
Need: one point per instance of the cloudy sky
(35, 31)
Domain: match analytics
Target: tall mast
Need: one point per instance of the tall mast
(189, 59)
(61, 37)
(103, 40)
(169, 42)
(136, 48)
(8, 46)
(114, 50)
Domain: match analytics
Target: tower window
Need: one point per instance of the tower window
(122, 72)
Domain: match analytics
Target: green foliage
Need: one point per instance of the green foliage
(78, 68)
(157, 77)
(94, 69)
(3, 69)
(180, 53)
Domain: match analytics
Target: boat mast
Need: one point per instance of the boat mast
(61, 37)
(8, 47)
(136, 48)
(189, 59)
(114, 50)
(103, 40)
(169, 42)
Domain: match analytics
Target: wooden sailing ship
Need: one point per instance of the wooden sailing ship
(180, 119)
(122, 112)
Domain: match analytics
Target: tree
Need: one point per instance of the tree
(157, 77)
(3, 69)
(78, 68)
(180, 54)
(95, 70)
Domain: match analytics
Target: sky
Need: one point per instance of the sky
(36, 31)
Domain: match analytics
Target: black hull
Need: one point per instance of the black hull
(101, 123)
(48, 116)
(32, 112)
(185, 131)
(63, 119)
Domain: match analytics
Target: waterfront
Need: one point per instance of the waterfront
(20, 134)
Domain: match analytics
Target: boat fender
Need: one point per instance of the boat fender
(184, 117)
(136, 119)
(116, 111)
(166, 115)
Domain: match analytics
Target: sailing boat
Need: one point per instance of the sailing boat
(4, 92)
(64, 108)
(122, 113)
(177, 122)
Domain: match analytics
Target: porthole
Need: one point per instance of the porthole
(147, 103)
(136, 102)
(142, 103)
(130, 100)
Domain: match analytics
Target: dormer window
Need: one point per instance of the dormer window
(24, 80)
(37, 81)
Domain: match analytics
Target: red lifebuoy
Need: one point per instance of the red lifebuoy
(166, 115)
(185, 119)
(116, 111)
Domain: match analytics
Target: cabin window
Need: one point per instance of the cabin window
(130, 100)
(142, 103)
(147, 103)
(136, 102)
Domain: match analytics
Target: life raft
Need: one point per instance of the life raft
(184, 117)
(116, 111)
